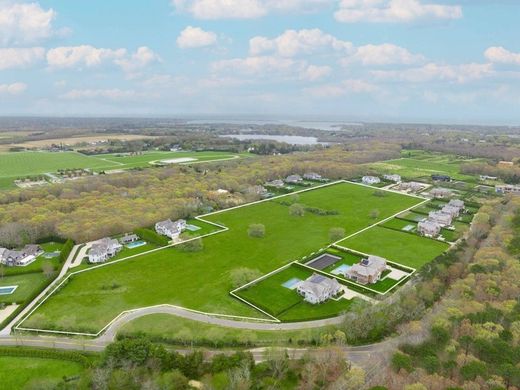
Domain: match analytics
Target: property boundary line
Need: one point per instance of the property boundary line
(223, 229)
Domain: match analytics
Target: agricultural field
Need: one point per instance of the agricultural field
(420, 164)
(15, 165)
(201, 280)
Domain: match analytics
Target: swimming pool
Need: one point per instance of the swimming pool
(292, 283)
(192, 228)
(51, 255)
(135, 244)
(7, 290)
(341, 269)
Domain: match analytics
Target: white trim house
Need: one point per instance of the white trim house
(318, 288)
(170, 229)
(104, 249)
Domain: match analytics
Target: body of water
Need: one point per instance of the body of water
(289, 139)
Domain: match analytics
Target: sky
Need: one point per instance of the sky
(372, 60)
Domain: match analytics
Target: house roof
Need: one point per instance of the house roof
(318, 284)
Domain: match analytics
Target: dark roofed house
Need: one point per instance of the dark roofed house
(318, 288)
(445, 178)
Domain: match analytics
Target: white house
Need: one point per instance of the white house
(275, 183)
(318, 288)
(440, 193)
(312, 176)
(440, 218)
(293, 179)
(507, 189)
(128, 238)
(170, 229)
(486, 177)
(451, 210)
(429, 228)
(104, 249)
(20, 258)
(412, 186)
(393, 177)
(457, 203)
(368, 270)
(369, 180)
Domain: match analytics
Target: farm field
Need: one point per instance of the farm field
(201, 280)
(21, 164)
(20, 372)
(400, 247)
(415, 164)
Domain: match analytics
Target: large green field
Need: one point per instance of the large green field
(415, 164)
(34, 373)
(201, 280)
(400, 247)
(21, 164)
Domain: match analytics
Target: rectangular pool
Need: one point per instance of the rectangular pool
(292, 283)
(135, 244)
(341, 269)
(7, 290)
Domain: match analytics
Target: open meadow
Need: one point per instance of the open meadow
(16, 165)
(201, 280)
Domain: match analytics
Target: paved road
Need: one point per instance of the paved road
(359, 355)
(7, 330)
(111, 331)
(81, 254)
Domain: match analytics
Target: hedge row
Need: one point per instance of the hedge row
(45, 354)
(65, 251)
(151, 236)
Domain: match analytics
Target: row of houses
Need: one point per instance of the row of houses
(20, 258)
(436, 220)
(295, 179)
(507, 189)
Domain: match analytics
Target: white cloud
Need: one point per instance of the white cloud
(20, 57)
(244, 9)
(143, 57)
(111, 94)
(222, 9)
(498, 54)
(314, 72)
(385, 54)
(24, 23)
(255, 65)
(84, 55)
(349, 86)
(192, 37)
(435, 72)
(351, 11)
(292, 43)
(12, 89)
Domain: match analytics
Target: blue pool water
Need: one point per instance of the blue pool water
(192, 228)
(50, 255)
(135, 244)
(291, 284)
(7, 290)
(341, 269)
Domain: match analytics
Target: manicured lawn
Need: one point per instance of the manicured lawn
(36, 265)
(35, 373)
(173, 329)
(14, 165)
(308, 311)
(400, 224)
(404, 248)
(201, 280)
(27, 284)
(271, 296)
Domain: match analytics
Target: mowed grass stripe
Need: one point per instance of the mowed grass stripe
(201, 280)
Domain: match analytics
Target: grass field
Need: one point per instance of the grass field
(172, 329)
(20, 164)
(20, 372)
(400, 247)
(415, 164)
(27, 284)
(201, 280)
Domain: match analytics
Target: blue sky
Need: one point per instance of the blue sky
(373, 60)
